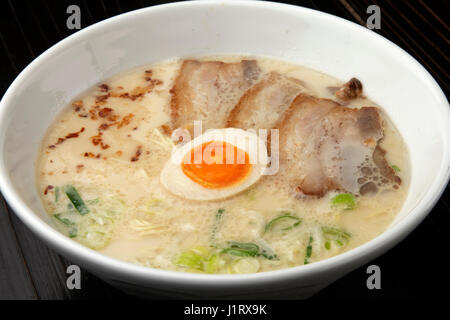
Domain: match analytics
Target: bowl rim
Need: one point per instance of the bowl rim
(85, 256)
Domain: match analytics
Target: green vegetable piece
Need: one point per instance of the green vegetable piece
(269, 255)
(396, 168)
(73, 230)
(336, 232)
(73, 233)
(76, 199)
(212, 264)
(57, 190)
(344, 200)
(64, 221)
(248, 249)
(199, 259)
(242, 249)
(267, 252)
(239, 252)
(215, 227)
(308, 250)
(284, 222)
(340, 237)
(190, 259)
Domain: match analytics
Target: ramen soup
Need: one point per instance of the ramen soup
(223, 165)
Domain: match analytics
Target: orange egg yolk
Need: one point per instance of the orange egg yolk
(216, 164)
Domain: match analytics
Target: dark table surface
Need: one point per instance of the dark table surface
(415, 268)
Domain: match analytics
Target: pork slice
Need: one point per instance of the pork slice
(264, 104)
(209, 90)
(325, 146)
(299, 155)
(385, 169)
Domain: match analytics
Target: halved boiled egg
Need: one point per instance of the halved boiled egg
(216, 165)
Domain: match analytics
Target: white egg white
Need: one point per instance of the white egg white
(175, 181)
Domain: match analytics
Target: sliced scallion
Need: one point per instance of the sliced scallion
(267, 252)
(339, 236)
(76, 199)
(242, 249)
(308, 250)
(248, 249)
(284, 222)
(73, 233)
(215, 227)
(199, 259)
(64, 221)
(345, 201)
(57, 194)
(73, 230)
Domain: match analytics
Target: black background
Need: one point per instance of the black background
(416, 268)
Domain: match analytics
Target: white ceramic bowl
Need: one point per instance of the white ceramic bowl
(335, 46)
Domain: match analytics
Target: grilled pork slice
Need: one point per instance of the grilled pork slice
(264, 104)
(325, 146)
(209, 90)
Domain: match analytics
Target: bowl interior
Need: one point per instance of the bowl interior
(391, 78)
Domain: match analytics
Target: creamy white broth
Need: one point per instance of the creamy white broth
(133, 218)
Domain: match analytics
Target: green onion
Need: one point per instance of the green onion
(284, 222)
(217, 220)
(308, 250)
(56, 194)
(212, 264)
(248, 249)
(344, 200)
(76, 200)
(239, 252)
(336, 232)
(242, 249)
(396, 168)
(64, 221)
(340, 237)
(266, 251)
(73, 231)
(190, 259)
(199, 259)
